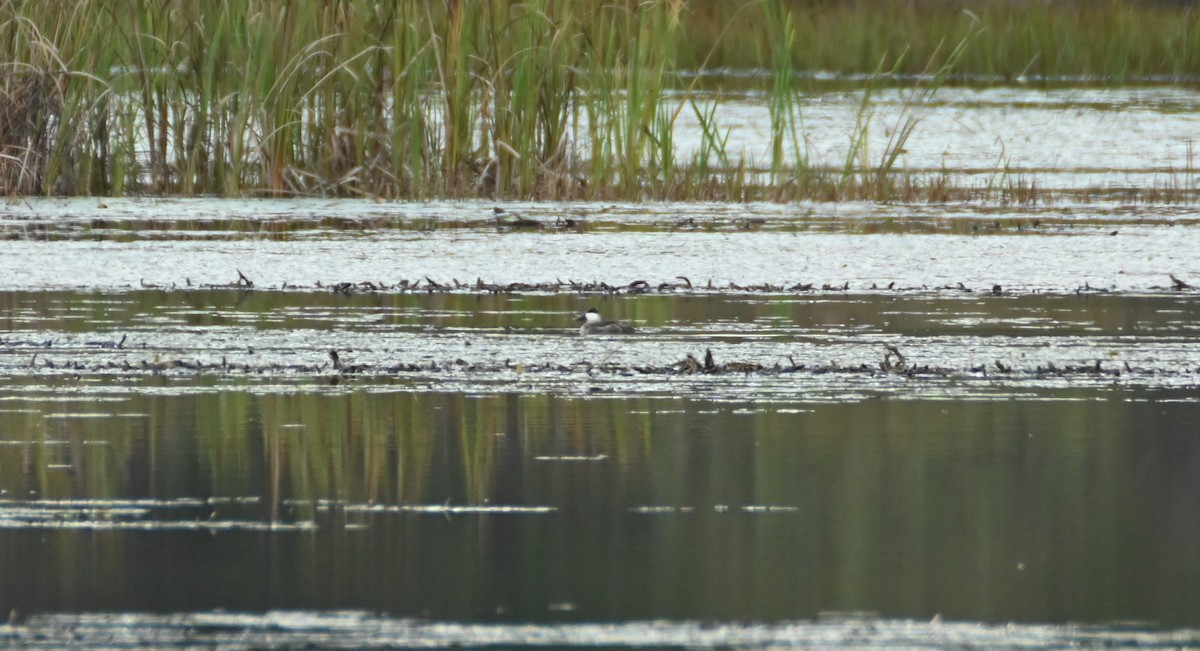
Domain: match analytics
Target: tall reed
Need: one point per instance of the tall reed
(512, 99)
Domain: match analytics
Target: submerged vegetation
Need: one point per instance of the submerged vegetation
(535, 99)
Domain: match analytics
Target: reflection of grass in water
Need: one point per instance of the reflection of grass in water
(508, 99)
(358, 447)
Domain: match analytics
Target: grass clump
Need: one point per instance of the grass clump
(535, 99)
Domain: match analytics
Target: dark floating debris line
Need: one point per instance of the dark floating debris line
(429, 285)
(893, 363)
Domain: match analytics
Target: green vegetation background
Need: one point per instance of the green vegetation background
(540, 99)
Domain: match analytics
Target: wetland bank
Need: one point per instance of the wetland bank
(287, 353)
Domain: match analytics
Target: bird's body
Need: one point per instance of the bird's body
(593, 324)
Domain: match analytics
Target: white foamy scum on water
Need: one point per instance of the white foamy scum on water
(1141, 256)
(355, 629)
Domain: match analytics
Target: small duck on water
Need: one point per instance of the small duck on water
(593, 324)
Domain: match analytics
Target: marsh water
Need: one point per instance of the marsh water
(274, 423)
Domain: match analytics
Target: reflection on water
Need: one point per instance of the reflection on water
(1083, 508)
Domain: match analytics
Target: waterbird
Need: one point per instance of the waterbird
(594, 324)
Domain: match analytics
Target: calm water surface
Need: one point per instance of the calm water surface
(1075, 507)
